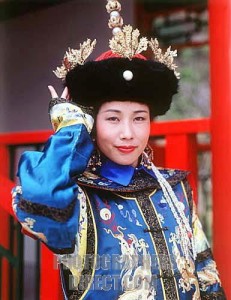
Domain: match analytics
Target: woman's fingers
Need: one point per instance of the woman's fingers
(65, 93)
(52, 91)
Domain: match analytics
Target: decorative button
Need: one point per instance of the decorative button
(105, 214)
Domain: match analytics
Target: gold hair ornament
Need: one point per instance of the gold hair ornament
(166, 58)
(125, 43)
(74, 57)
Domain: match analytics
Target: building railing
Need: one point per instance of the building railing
(176, 144)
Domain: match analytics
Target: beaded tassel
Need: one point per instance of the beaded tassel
(178, 213)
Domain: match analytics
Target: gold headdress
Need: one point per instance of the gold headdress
(125, 42)
(74, 57)
(166, 58)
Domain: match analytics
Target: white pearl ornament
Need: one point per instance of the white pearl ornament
(116, 30)
(114, 14)
(128, 75)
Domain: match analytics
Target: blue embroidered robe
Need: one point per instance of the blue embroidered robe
(113, 231)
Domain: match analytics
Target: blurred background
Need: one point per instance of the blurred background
(34, 36)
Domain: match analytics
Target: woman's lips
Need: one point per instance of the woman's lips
(126, 149)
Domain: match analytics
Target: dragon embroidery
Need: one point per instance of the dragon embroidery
(187, 269)
(136, 279)
(208, 276)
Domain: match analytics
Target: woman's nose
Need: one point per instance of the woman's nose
(126, 131)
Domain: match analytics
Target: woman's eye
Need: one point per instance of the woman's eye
(139, 119)
(112, 119)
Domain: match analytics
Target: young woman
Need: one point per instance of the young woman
(122, 228)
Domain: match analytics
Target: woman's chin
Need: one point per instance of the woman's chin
(125, 161)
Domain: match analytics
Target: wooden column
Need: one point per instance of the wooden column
(181, 152)
(220, 61)
(50, 285)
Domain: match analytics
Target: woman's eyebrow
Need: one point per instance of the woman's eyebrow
(111, 110)
(119, 111)
(141, 111)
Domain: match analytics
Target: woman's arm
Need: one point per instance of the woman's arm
(46, 203)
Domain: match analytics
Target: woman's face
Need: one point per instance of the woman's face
(122, 131)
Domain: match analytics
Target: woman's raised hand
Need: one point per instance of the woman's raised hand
(65, 94)
(65, 113)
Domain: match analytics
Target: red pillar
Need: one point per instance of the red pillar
(220, 61)
(50, 284)
(181, 152)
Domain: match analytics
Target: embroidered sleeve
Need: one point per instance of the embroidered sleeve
(47, 203)
(209, 281)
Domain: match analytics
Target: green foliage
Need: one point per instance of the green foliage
(193, 98)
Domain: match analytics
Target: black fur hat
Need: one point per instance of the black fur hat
(148, 81)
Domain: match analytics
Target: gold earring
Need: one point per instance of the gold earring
(95, 160)
(147, 157)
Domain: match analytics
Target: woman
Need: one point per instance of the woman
(122, 228)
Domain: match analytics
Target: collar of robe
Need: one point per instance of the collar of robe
(124, 178)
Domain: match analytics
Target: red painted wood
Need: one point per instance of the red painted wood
(23, 138)
(6, 186)
(4, 160)
(50, 286)
(181, 153)
(220, 61)
(5, 281)
(4, 218)
(180, 127)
